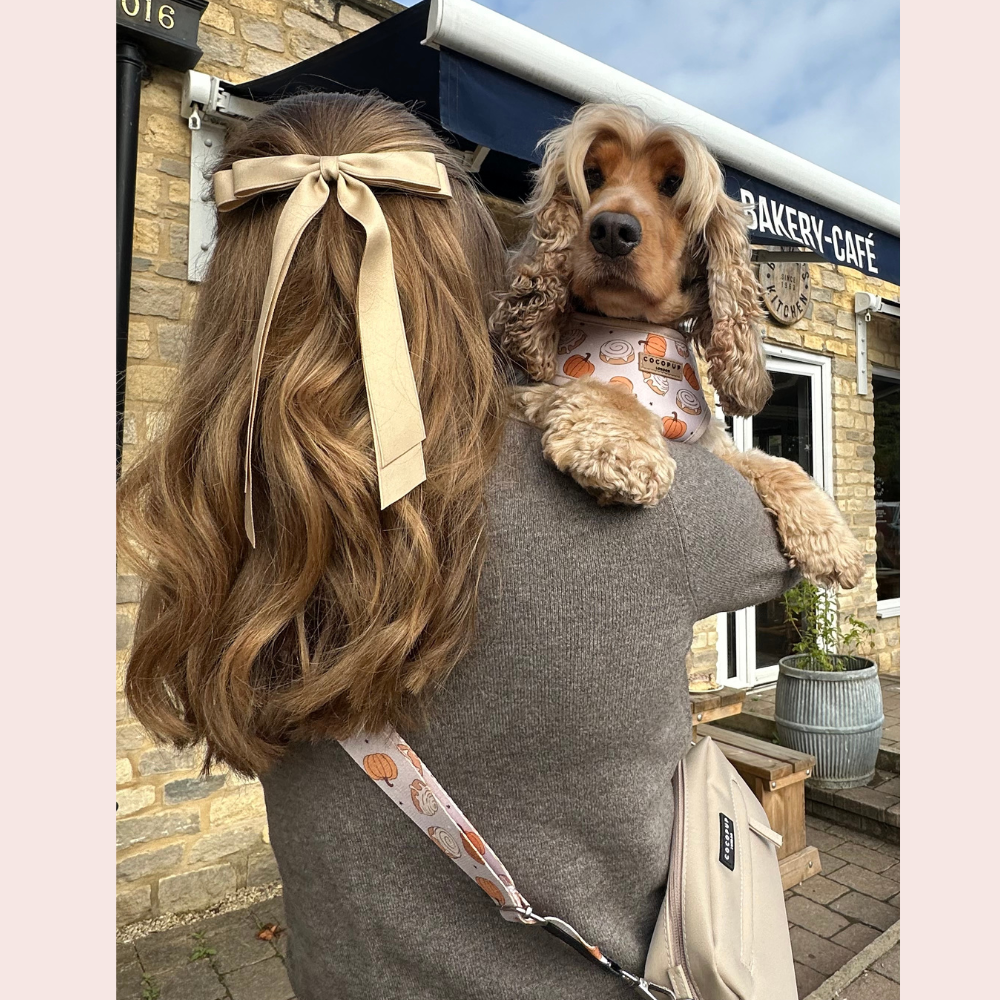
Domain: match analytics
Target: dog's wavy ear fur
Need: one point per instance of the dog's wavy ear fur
(726, 328)
(527, 320)
(529, 317)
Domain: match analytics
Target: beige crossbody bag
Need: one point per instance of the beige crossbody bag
(721, 933)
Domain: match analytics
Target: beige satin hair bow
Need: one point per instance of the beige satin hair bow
(397, 423)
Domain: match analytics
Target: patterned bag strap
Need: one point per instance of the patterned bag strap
(391, 763)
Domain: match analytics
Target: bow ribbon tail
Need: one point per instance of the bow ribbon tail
(309, 196)
(393, 403)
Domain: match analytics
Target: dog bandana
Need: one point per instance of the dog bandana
(654, 363)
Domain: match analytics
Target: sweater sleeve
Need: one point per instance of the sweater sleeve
(734, 558)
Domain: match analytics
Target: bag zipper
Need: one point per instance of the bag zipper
(674, 889)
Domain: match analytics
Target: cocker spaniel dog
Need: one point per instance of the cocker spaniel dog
(633, 238)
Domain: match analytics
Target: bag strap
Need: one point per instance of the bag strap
(391, 763)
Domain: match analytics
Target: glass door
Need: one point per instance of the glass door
(793, 425)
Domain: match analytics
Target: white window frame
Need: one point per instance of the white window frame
(819, 368)
(888, 608)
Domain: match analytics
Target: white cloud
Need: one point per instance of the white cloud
(818, 77)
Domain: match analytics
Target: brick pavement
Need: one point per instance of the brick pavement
(834, 915)
(217, 958)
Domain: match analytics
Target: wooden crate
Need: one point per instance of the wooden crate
(777, 777)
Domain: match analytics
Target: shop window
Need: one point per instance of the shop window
(885, 389)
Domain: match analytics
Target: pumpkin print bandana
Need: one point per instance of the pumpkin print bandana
(656, 364)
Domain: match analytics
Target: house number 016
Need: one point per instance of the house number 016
(164, 13)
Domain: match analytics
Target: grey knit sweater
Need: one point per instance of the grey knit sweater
(557, 735)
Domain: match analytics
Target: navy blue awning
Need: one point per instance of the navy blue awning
(471, 103)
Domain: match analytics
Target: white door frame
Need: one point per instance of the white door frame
(818, 368)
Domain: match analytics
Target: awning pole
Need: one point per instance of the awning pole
(130, 69)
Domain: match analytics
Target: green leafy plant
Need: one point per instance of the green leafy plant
(150, 991)
(201, 949)
(813, 614)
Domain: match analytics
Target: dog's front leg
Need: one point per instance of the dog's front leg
(602, 437)
(812, 529)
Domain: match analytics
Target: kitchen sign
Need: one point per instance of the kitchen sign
(778, 217)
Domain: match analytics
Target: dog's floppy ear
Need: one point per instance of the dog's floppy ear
(726, 329)
(528, 318)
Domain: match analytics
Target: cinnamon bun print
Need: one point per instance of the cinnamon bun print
(617, 352)
(689, 402)
(423, 798)
(445, 840)
(657, 383)
(570, 341)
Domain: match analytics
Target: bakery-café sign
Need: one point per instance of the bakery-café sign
(775, 216)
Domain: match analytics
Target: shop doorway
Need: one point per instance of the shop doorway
(795, 424)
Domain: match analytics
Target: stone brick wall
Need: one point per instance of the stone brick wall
(186, 842)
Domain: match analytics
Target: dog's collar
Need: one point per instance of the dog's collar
(655, 363)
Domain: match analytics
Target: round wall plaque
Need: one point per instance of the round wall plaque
(785, 288)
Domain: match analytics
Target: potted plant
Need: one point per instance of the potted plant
(828, 701)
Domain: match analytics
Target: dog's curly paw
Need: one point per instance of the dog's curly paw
(828, 556)
(623, 470)
(602, 437)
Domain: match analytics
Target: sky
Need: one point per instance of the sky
(819, 78)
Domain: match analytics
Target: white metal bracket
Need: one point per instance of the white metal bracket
(474, 158)
(206, 147)
(865, 306)
(864, 302)
(207, 106)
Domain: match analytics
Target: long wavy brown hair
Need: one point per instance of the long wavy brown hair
(343, 617)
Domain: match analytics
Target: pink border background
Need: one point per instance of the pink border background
(58, 499)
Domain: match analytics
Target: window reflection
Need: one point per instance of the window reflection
(886, 394)
(783, 429)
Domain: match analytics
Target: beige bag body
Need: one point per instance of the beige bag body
(722, 933)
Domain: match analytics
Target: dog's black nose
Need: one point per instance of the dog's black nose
(615, 234)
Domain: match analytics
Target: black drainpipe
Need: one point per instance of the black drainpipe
(131, 67)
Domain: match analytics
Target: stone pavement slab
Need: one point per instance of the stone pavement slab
(856, 937)
(267, 980)
(888, 964)
(235, 942)
(216, 958)
(867, 910)
(807, 979)
(864, 857)
(814, 917)
(821, 889)
(871, 986)
(129, 981)
(835, 915)
(865, 881)
(196, 981)
(817, 952)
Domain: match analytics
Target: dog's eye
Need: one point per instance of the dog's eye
(670, 184)
(593, 178)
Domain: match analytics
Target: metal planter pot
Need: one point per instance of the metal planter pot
(835, 715)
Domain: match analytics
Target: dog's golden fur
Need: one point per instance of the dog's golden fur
(691, 266)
